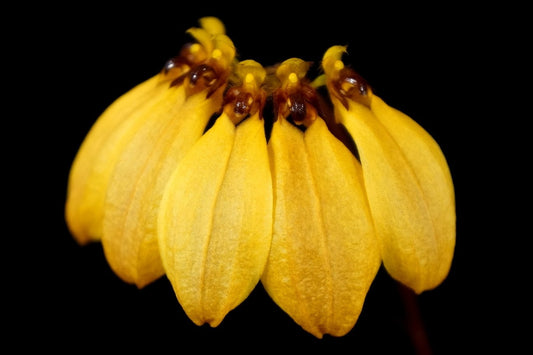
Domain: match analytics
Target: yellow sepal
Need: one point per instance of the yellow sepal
(410, 193)
(324, 253)
(99, 152)
(102, 148)
(215, 219)
(139, 177)
(434, 180)
(407, 179)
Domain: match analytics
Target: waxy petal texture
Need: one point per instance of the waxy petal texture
(215, 221)
(429, 165)
(176, 177)
(324, 254)
(163, 130)
(410, 198)
(136, 188)
(97, 156)
(407, 179)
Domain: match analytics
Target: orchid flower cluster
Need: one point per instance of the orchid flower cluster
(187, 175)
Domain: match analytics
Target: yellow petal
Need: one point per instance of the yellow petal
(186, 214)
(137, 183)
(215, 220)
(324, 254)
(224, 50)
(212, 25)
(331, 61)
(433, 176)
(406, 176)
(426, 158)
(216, 43)
(99, 153)
(145, 165)
(409, 190)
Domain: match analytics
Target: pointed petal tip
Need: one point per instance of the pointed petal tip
(335, 52)
(331, 57)
(320, 332)
(213, 25)
(202, 318)
(418, 283)
(78, 227)
(420, 288)
(215, 322)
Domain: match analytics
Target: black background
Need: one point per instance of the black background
(439, 64)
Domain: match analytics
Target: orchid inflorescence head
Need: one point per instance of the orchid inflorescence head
(221, 173)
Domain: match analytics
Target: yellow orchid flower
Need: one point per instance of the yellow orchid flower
(324, 254)
(406, 177)
(97, 156)
(119, 173)
(309, 203)
(215, 219)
